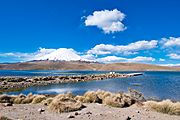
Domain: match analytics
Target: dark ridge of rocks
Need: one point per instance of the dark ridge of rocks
(14, 83)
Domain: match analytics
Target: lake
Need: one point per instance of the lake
(158, 85)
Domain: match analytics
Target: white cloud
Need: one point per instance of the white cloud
(111, 59)
(109, 21)
(16, 54)
(174, 56)
(172, 41)
(89, 57)
(126, 49)
(171, 65)
(161, 60)
(141, 59)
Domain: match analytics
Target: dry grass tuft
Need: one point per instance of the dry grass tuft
(64, 103)
(128, 100)
(118, 99)
(38, 99)
(6, 98)
(19, 99)
(47, 101)
(4, 118)
(113, 101)
(165, 106)
(91, 97)
(29, 98)
(103, 94)
(80, 98)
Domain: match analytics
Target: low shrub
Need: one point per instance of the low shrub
(64, 103)
(6, 98)
(113, 101)
(38, 99)
(47, 101)
(19, 99)
(4, 118)
(91, 97)
(29, 98)
(80, 98)
(165, 106)
(103, 94)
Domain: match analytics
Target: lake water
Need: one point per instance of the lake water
(159, 85)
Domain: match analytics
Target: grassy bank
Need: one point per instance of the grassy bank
(69, 102)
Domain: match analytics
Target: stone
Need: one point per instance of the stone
(89, 112)
(70, 116)
(4, 83)
(76, 113)
(40, 110)
(8, 104)
(138, 111)
(128, 118)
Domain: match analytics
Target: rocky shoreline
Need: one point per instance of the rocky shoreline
(12, 83)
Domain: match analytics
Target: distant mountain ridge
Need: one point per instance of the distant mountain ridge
(83, 65)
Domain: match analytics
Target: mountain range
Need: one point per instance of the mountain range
(83, 65)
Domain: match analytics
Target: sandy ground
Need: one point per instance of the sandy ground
(91, 112)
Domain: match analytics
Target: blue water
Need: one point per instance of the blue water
(159, 85)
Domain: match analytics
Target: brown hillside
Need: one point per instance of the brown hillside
(75, 65)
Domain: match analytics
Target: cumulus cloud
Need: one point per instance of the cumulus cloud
(141, 59)
(89, 57)
(126, 49)
(170, 42)
(111, 59)
(16, 55)
(161, 60)
(171, 65)
(174, 56)
(109, 21)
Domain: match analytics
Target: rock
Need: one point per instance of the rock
(4, 83)
(29, 80)
(40, 110)
(70, 116)
(138, 111)
(8, 104)
(76, 113)
(128, 118)
(89, 112)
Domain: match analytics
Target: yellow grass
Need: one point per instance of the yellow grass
(64, 103)
(29, 98)
(91, 97)
(165, 106)
(19, 99)
(47, 101)
(38, 99)
(6, 98)
(113, 101)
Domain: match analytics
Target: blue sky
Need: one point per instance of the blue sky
(30, 28)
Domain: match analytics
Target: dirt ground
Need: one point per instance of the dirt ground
(92, 111)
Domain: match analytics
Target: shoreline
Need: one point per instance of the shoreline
(8, 84)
